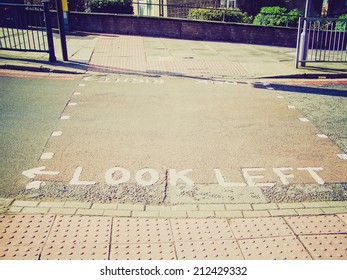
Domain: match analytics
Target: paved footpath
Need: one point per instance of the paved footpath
(170, 223)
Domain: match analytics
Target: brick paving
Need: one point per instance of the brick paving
(131, 54)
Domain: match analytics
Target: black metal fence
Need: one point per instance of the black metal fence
(26, 28)
(321, 40)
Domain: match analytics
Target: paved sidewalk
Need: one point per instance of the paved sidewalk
(83, 230)
(122, 54)
(52, 237)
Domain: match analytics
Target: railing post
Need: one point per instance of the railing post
(62, 29)
(52, 57)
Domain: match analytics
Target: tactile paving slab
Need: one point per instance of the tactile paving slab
(260, 227)
(24, 229)
(201, 229)
(316, 224)
(152, 251)
(75, 252)
(326, 247)
(274, 248)
(209, 250)
(20, 252)
(343, 217)
(141, 230)
(80, 229)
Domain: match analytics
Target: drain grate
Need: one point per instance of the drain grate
(326, 247)
(209, 250)
(316, 224)
(201, 229)
(75, 252)
(275, 248)
(80, 229)
(264, 227)
(20, 252)
(152, 251)
(24, 229)
(141, 230)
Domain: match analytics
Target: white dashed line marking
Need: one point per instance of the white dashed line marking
(342, 156)
(280, 96)
(81, 85)
(46, 156)
(304, 120)
(65, 117)
(72, 104)
(322, 136)
(76, 93)
(57, 133)
(291, 107)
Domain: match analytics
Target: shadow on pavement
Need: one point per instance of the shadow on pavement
(310, 90)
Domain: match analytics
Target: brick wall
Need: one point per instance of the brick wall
(183, 29)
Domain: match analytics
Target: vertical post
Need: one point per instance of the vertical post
(62, 29)
(303, 36)
(52, 57)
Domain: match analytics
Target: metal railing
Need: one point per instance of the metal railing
(321, 40)
(26, 28)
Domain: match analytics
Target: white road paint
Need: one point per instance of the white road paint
(109, 176)
(76, 178)
(57, 133)
(76, 93)
(65, 117)
(46, 156)
(280, 96)
(312, 171)
(322, 136)
(31, 173)
(304, 120)
(342, 156)
(72, 104)
(221, 180)
(291, 107)
(250, 178)
(82, 85)
(281, 173)
(34, 185)
(153, 174)
(182, 175)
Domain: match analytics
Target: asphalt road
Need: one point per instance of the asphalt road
(170, 140)
(29, 108)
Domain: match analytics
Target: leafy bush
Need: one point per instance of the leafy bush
(227, 15)
(341, 26)
(277, 16)
(111, 6)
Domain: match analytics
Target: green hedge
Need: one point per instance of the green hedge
(341, 26)
(111, 6)
(227, 15)
(277, 16)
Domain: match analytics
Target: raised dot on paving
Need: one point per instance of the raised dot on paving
(45, 156)
(65, 117)
(342, 156)
(57, 133)
(304, 119)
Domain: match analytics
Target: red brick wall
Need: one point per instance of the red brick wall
(183, 29)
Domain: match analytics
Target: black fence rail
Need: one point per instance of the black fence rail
(321, 40)
(26, 28)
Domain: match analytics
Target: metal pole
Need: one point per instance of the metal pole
(62, 30)
(52, 57)
(303, 36)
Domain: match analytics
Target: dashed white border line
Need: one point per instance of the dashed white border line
(46, 156)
